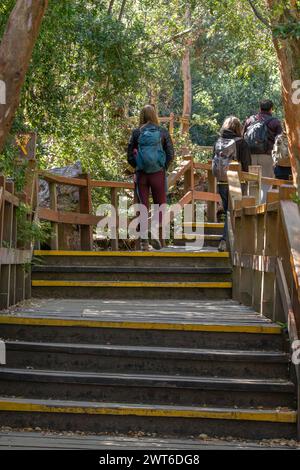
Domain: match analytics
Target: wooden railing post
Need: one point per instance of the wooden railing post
(171, 124)
(7, 277)
(269, 261)
(54, 225)
(254, 187)
(85, 204)
(189, 183)
(211, 205)
(236, 225)
(114, 203)
(248, 246)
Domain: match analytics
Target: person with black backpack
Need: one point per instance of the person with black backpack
(229, 147)
(260, 132)
(150, 152)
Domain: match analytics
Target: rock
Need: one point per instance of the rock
(67, 201)
(67, 196)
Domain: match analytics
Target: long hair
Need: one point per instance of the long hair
(233, 124)
(148, 114)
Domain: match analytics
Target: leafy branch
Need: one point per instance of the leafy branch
(259, 15)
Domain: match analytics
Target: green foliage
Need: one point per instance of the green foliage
(28, 231)
(90, 71)
(11, 167)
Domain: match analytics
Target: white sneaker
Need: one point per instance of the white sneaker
(222, 246)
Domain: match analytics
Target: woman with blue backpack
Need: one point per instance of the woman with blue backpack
(150, 152)
(229, 147)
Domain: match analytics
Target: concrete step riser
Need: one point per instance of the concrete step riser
(144, 337)
(144, 365)
(131, 276)
(131, 293)
(158, 425)
(142, 394)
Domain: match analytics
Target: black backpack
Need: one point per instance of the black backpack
(257, 135)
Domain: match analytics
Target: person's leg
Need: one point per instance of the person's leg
(223, 191)
(159, 194)
(282, 172)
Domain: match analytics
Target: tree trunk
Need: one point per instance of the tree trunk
(110, 8)
(187, 82)
(122, 11)
(288, 52)
(15, 53)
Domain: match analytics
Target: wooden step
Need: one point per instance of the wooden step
(141, 388)
(162, 419)
(164, 258)
(144, 323)
(131, 273)
(131, 289)
(142, 359)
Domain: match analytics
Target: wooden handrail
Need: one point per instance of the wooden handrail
(265, 250)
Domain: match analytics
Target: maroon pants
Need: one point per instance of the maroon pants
(156, 182)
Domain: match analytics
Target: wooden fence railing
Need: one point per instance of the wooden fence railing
(186, 173)
(15, 280)
(86, 218)
(265, 249)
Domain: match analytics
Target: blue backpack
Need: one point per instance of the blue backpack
(151, 157)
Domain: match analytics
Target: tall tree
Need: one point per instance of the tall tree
(187, 78)
(285, 20)
(15, 53)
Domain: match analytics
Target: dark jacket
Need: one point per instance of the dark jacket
(242, 149)
(133, 145)
(274, 126)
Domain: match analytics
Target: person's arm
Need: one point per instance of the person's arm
(277, 128)
(168, 147)
(133, 148)
(244, 155)
(246, 125)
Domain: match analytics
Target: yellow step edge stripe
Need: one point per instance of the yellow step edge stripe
(188, 236)
(137, 284)
(205, 225)
(268, 415)
(154, 254)
(60, 322)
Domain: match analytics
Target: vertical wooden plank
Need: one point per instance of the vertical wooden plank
(6, 271)
(254, 187)
(258, 275)
(13, 244)
(2, 267)
(85, 204)
(189, 183)
(236, 222)
(54, 226)
(114, 202)
(248, 246)
(20, 283)
(211, 206)
(270, 250)
(171, 125)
